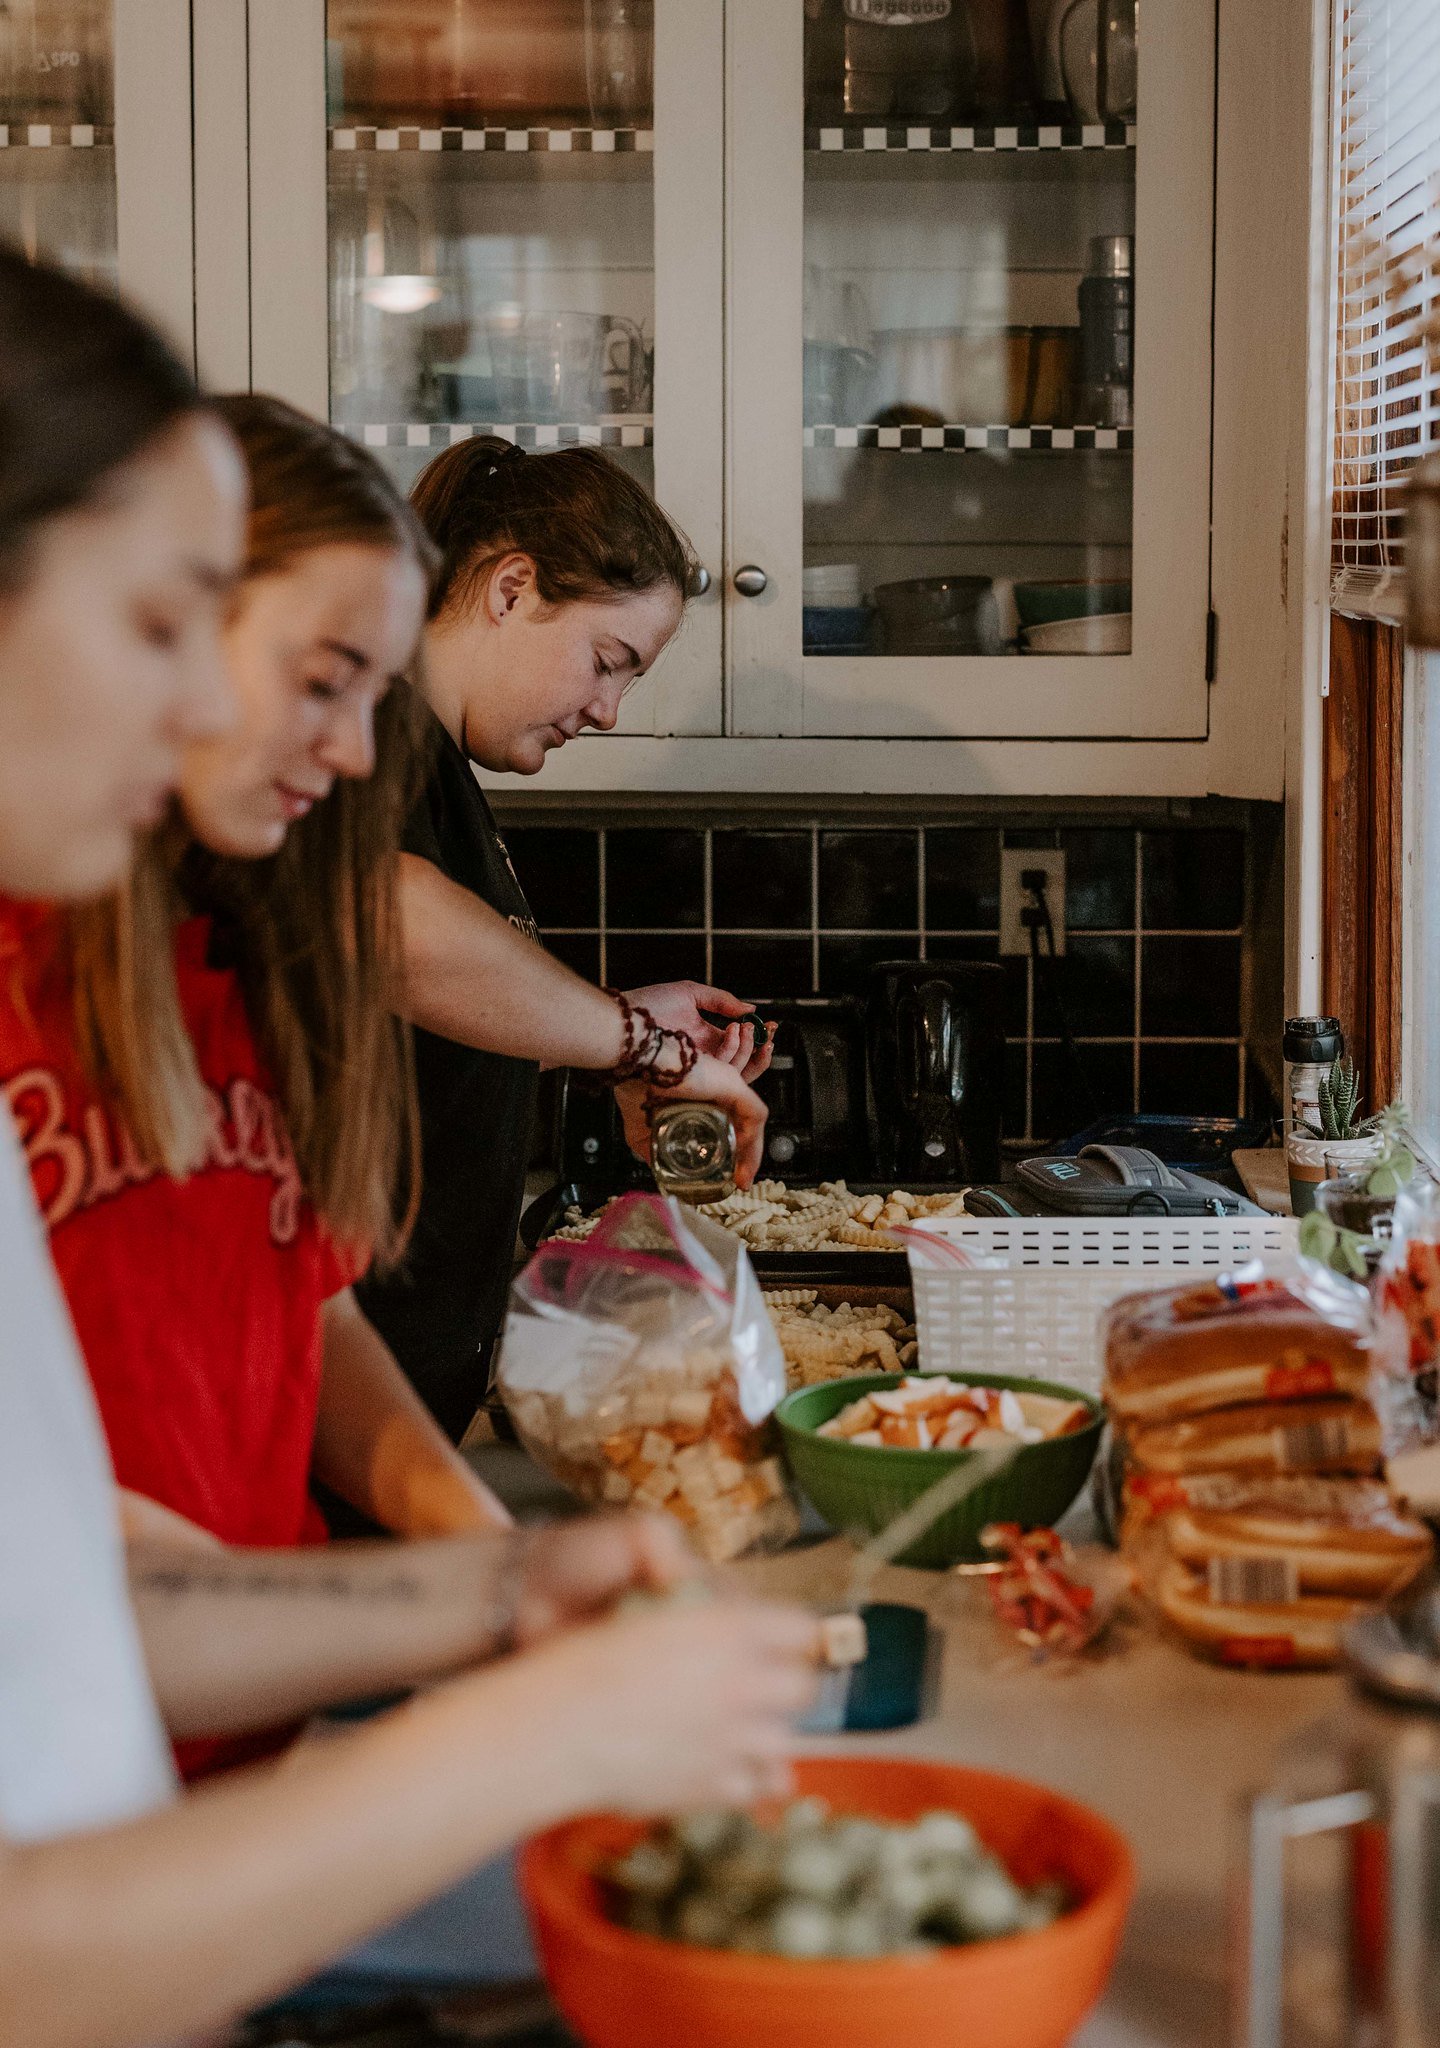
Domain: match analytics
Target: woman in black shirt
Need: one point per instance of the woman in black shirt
(561, 582)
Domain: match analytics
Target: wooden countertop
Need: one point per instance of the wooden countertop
(1159, 1742)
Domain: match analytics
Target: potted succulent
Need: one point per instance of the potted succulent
(1354, 1211)
(1340, 1141)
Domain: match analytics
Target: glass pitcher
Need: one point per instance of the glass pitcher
(1370, 1778)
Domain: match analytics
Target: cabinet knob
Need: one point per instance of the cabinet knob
(699, 581)
(750, 581)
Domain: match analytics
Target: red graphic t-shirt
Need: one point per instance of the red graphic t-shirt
(196, 1302)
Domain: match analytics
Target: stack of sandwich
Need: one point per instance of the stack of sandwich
(1251, 1449)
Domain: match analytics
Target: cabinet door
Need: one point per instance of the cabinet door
(513, 228)
(95, 146)
(970, 367)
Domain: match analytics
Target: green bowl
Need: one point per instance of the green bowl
(860, 1488)
(1041, 604)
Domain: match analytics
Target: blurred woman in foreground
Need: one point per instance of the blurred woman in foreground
(127, 1916)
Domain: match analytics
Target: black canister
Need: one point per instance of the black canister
(1107, 333)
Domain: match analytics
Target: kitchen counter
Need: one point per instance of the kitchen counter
(1159, 1742)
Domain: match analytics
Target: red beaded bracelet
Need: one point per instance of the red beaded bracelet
(687, 1052)
(644, 1048)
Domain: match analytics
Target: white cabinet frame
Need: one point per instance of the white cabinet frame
(154, 216)
(1159, 691)
(259, 147)
(289, 268)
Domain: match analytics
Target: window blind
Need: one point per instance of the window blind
(1386, 103)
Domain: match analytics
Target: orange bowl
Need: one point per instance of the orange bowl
(624, 1990)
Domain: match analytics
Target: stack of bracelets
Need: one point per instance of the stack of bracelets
(645, 1043)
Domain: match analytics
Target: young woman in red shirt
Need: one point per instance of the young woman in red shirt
(216, 1107)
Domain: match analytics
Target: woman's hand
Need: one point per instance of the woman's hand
(677, 1006)
(575, 1571)
(681, 1708)
(709, 1080)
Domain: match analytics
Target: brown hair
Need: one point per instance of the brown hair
(85, 385)
(314, 928)
(589, 528)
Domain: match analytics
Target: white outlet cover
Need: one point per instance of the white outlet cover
(1014, 860)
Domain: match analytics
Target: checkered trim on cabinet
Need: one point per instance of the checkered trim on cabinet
(920, 438)
(617, 433)
(510, 141)
(45, 135)
(858, 135)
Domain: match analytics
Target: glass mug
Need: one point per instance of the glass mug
(566, 366)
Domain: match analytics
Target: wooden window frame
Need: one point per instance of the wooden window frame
(1364, 848)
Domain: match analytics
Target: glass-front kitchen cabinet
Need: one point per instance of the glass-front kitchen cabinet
(903, 308)
(95, 165)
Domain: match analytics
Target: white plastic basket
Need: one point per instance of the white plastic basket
(1034, 1307)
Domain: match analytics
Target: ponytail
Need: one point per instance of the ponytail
(590, 529)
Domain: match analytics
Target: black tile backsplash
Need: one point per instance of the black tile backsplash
(761, 881)
(767, 966)
(637, 959)
(1099, 880)
(1193, 881)
(845, 963)
(580, 950)
(869, 881)
(560, 867)
(1190, 1080)
(1159, 917)
(962, 878)
(1091, 988)
(654, 879)
(1070, 1092)
(1189, 987)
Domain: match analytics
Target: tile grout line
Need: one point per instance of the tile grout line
(857, 931)
(921, 906)
(1029, 1031)
(709, 889)
(1139, 912)
(815, 910)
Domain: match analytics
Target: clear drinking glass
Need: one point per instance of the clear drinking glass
(963, 452)
(492, 247)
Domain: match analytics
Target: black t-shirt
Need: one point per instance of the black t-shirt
(447, 1300)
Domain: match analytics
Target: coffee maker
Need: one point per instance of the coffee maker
(815, 1090)
(937, 1060)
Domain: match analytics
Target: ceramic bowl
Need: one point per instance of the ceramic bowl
(622, 1990)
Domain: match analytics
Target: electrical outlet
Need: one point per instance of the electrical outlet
(1016, 861)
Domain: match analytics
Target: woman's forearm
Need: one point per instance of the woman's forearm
(181, 1921)
(377, 1445)
(238, 1640)
(472, 977)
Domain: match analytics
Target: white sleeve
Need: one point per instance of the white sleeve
(81, 1744)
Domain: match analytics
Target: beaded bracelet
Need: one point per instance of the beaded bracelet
(644, 1048)
(687, 1052)
(640, 1030)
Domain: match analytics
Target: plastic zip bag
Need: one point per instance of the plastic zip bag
(641, 1368)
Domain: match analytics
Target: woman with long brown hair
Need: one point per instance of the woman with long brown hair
(215, 1099)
